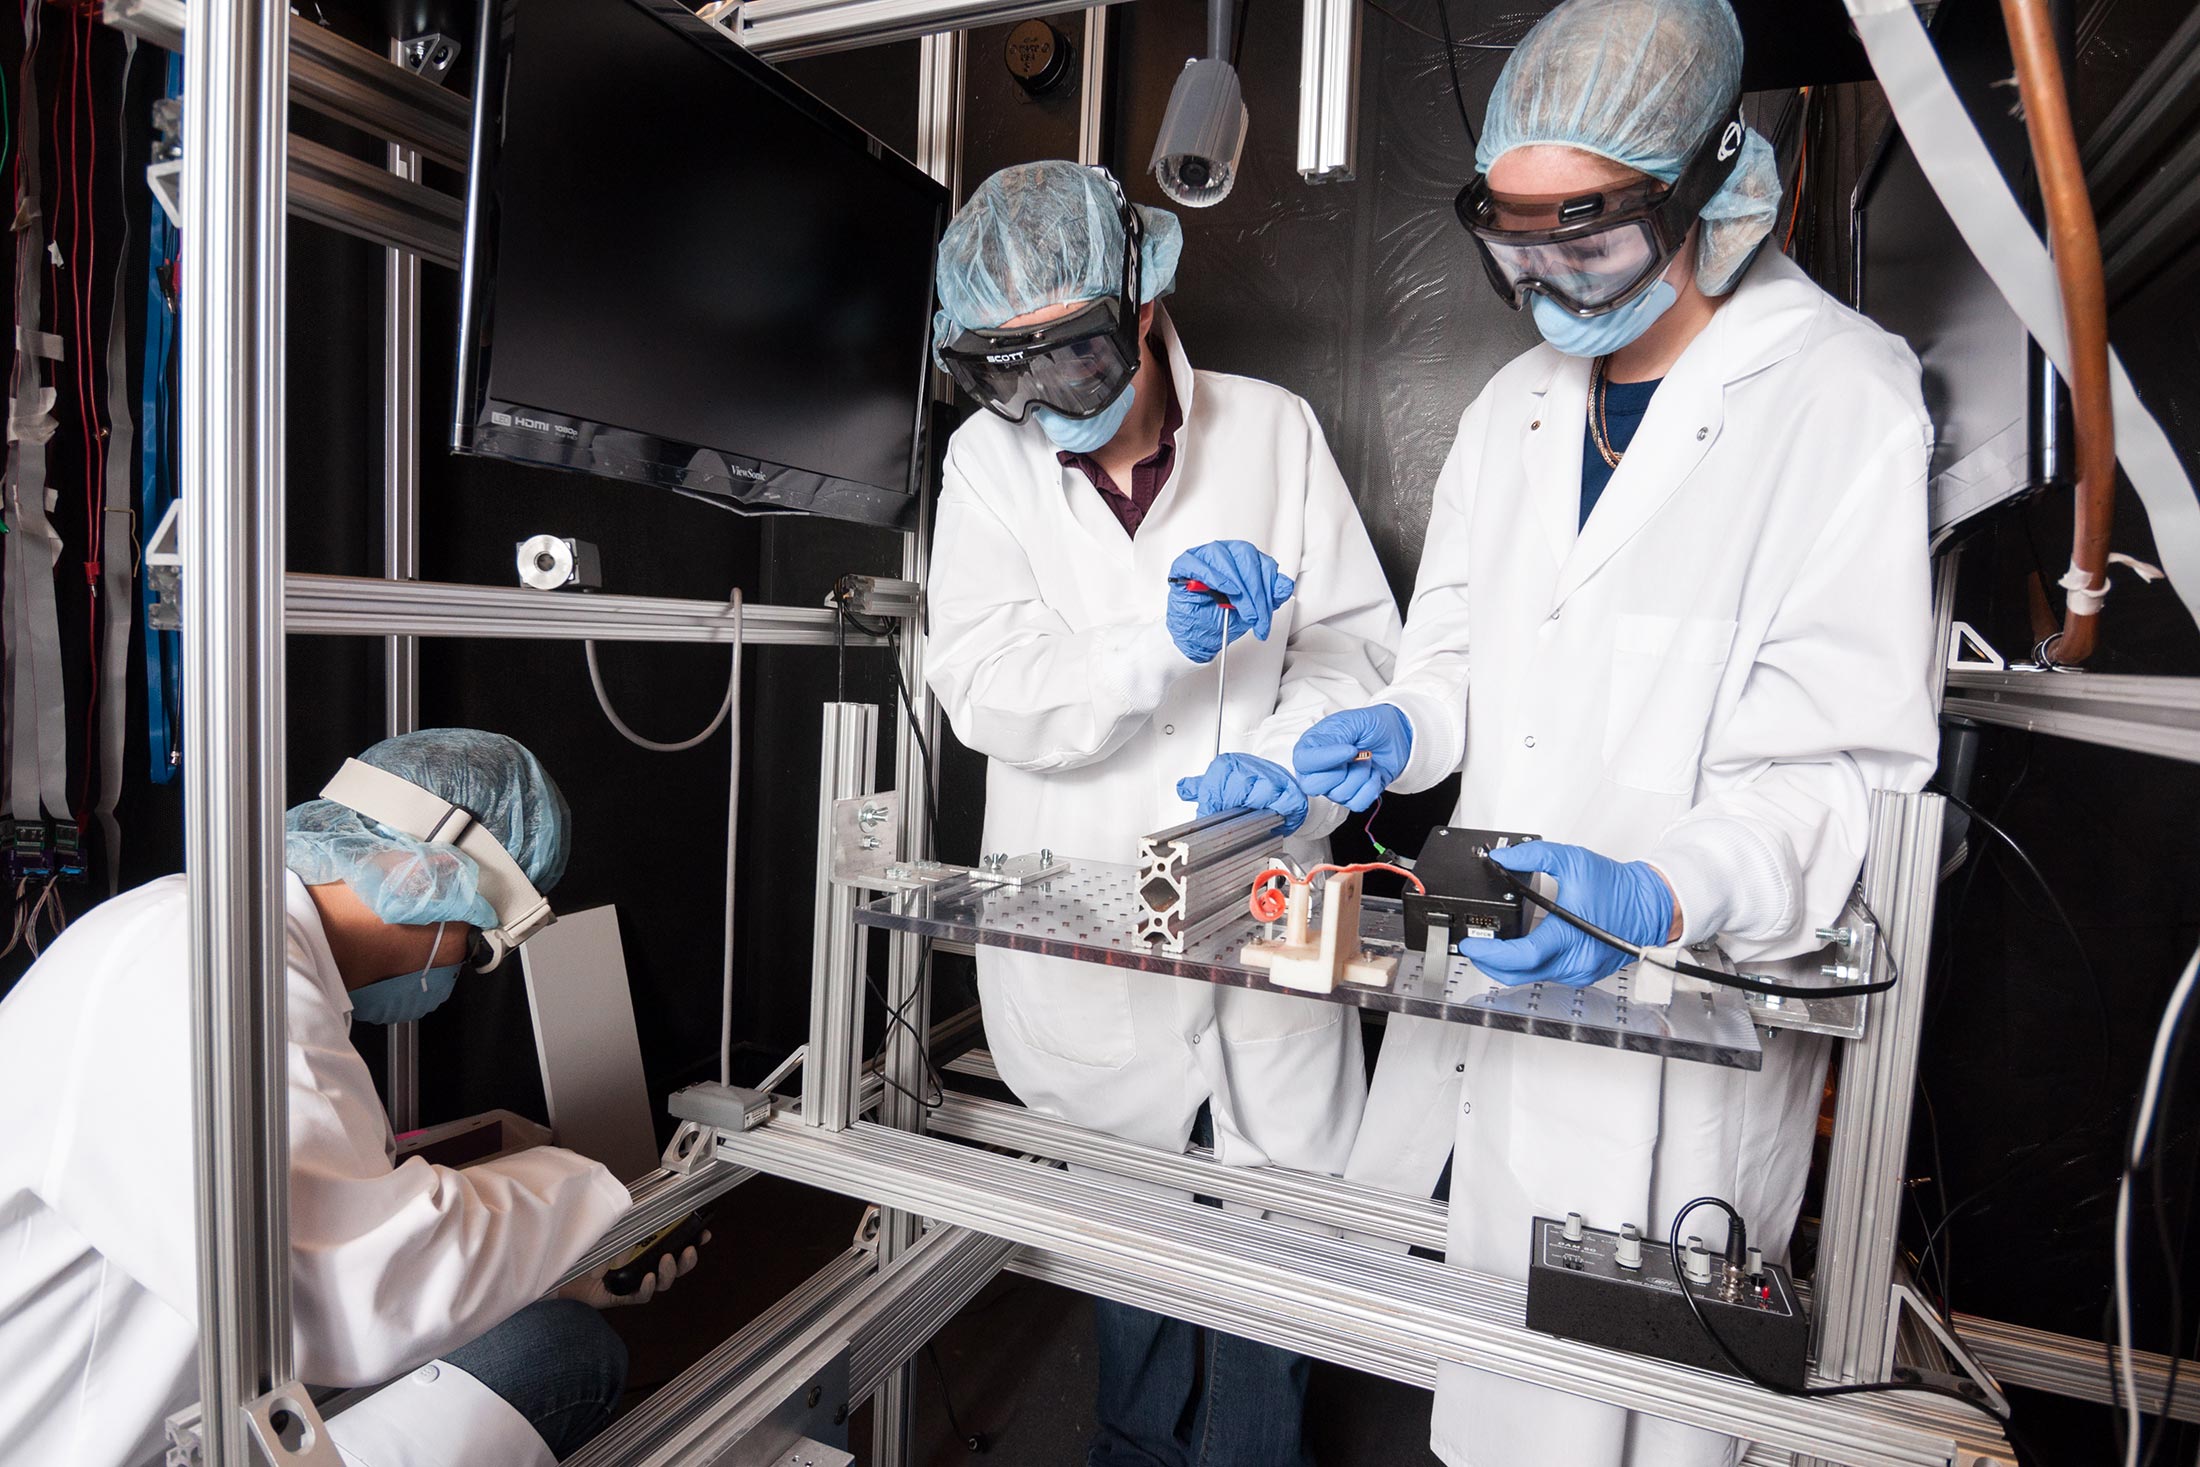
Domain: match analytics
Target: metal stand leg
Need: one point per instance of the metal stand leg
(1871, 1127)
(237, 95)
(848, 755)
(401, 551)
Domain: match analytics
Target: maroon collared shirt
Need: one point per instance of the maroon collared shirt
(1147, 475)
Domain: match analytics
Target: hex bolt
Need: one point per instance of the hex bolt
(1840, 936)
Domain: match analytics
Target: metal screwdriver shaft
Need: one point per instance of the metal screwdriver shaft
(1222, 676)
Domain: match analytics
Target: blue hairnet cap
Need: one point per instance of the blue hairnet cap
(405, 881)
(1640, 82)
(1043, 234)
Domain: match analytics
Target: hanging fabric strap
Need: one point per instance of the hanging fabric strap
(117, 563)
(38, 766)
(1955, 161)
(163, 656)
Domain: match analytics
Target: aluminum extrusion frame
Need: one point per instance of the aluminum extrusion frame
(362, 606)
(781, 30)
(1193, 878)
(336, 78)
(1853, 1286)
(2150, 715)
(1336, 1299)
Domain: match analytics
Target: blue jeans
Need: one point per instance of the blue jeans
(1156, 1410)
(1175, 1395)
(556, 1363)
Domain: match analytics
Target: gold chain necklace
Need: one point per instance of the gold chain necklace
(1598, 433)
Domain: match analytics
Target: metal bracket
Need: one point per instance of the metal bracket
(1962, 639)
(163, 556)
(285, 1426)
(288, 1430)
(867, 840)
(817, 1408)
(430, 57)
(1974, 1378)
(691, 1146)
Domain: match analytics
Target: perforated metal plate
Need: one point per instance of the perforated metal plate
(1091, 913)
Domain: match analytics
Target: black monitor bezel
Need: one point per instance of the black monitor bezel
(534, 434)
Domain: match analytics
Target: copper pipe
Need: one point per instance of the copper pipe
(2077, 248)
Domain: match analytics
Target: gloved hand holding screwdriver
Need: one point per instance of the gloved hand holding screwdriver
(1219, 591)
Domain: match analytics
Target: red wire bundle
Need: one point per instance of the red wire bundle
(1268, 903)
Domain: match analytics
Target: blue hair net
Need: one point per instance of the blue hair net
(1640, 82)
(410, 882)
(1042, 234)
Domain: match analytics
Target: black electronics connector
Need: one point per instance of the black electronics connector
(68, 852)
(1462, 894)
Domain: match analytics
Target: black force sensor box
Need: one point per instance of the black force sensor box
(1602, 1289)
(1463, 892)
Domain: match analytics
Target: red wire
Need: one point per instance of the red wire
(1268, 903)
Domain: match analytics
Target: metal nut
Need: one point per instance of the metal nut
(871, 817)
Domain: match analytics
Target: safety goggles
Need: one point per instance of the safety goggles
(407, 808)
(1595, 252)
(1077, 366)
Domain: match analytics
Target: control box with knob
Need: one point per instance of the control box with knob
(1622, 1291)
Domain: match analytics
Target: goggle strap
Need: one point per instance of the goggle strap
(396, 802)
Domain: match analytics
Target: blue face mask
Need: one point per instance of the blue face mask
(1600, 336)
(408, 996)
(1084, 435)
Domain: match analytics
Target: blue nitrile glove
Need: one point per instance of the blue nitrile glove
(1237, 569)
(1627, 899)
(1328, 754)
(1242, 782)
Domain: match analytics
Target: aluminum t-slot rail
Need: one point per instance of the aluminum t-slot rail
(1340, 1300)
(1193, 878)
(875, 1319)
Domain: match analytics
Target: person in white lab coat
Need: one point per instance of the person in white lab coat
(392, 1267)
(1105, 469)
(1673, 615)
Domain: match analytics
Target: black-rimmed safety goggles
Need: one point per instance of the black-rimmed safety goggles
(1077, 366)
(1593, 253)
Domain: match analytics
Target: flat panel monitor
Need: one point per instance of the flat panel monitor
(683, 270)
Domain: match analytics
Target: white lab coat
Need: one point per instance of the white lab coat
(1049, 653)
(1710, 676)
(98, 1292)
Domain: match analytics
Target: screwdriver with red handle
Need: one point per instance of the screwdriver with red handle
(1222, 658)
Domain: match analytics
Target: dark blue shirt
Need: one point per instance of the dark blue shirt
(1624, 405)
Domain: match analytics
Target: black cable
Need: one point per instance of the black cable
(1237, 49)
(892, 635)
(1451, 61)
(2023, 1158)
(1693, 970)
(1427, 35)
(895, 1016)
(1749, 1373)
(924, 749)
